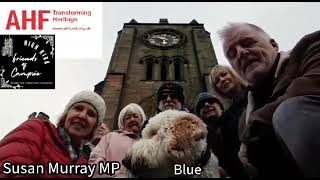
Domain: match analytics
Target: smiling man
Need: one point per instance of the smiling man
(170, 96)
(284, 100)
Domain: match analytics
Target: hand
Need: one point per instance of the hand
(222, 172)
(251, 170)
(248, 167)
(242, 154)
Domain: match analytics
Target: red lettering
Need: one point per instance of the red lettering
(12, 20)
(32, 20)
(41, 19)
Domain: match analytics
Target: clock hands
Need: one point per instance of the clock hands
(161, 37)
(164, 39)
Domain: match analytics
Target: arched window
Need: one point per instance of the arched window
(149, 69)
(163, 70)
(177, 71)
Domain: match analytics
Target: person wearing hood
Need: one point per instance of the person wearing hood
(114, 146)
(39, 142)
(220, 139)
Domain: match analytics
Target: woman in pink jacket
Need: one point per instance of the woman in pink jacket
(114, 146)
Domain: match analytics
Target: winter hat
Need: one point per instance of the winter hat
(90, 97)
(172, 89)
(205, 96)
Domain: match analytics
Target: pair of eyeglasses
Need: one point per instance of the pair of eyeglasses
(209, 101)
(165, 96)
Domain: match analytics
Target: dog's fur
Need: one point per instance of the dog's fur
(171, 137)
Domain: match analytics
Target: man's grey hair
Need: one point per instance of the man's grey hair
(232, 26)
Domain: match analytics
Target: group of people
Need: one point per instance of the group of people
(269, 130)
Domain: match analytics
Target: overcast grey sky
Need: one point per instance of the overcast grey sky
(286, 22)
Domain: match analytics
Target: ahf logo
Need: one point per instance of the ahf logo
(13, 20)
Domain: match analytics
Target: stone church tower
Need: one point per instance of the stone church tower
(147, 54)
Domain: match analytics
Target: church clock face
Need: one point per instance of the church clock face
(163, 38)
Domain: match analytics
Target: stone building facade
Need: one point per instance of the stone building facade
(147, 54)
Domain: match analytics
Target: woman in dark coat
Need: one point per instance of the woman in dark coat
(229, 85)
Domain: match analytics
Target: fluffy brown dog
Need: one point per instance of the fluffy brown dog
(171, 138)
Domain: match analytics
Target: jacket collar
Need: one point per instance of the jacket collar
(125, 132)
(283, 58)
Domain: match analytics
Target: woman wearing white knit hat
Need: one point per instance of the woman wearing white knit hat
(85, 103)
(39, 142)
